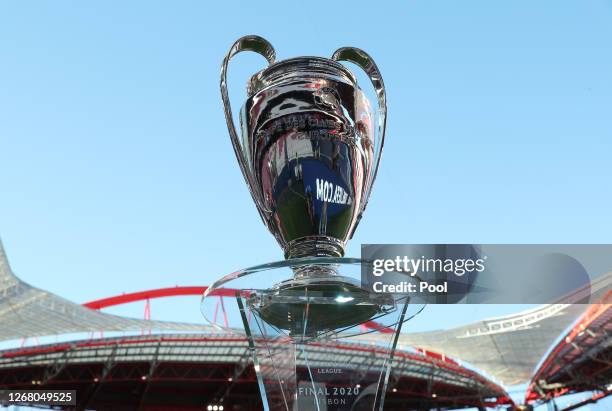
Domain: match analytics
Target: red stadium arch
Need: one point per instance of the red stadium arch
(576, 364)
(149, 295)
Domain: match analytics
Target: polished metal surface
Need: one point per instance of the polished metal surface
(310, 145)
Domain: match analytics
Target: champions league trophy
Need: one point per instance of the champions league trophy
(309, 152)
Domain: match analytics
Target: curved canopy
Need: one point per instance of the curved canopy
(27, 311)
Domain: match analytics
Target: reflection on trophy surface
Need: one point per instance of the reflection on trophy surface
(310, 141)
(308, 149)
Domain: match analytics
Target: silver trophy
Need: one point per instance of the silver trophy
(309, 150)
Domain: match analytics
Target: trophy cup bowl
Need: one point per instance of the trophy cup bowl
(308, 151)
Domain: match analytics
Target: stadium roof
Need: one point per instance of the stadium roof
(27, 311)
(507, 348)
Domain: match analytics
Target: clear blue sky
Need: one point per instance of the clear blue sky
(117, 173)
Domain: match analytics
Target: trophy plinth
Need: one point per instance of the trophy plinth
(317, 343)
(309, 151)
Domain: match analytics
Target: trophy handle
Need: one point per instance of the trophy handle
(363, 60)
(263, 47)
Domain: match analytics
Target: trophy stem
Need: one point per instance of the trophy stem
(314, 246)
(382, 391)
(251, 342)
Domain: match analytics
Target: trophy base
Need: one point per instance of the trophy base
(308, 307)
(305, 327)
